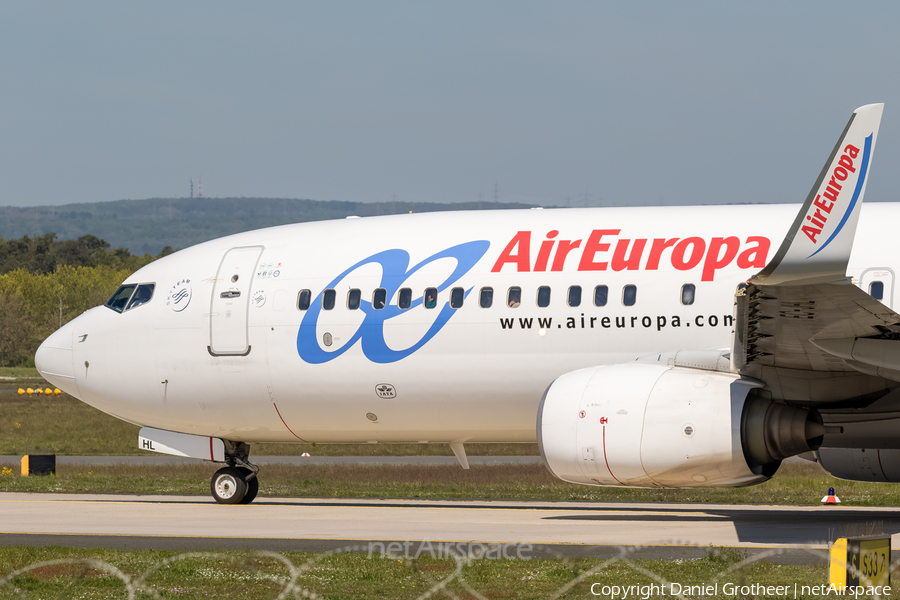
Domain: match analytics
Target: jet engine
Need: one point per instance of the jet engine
(861, 464)
(651, 425)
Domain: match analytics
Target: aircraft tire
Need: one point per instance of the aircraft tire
(228, 486)
(252, 487)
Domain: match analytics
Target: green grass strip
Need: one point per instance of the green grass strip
(54, 572)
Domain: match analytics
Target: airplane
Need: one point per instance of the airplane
(640, 347)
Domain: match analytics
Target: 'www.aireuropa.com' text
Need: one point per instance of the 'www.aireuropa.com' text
(657, 322)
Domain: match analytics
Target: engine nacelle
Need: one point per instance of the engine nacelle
(649, 425)
(861, 464)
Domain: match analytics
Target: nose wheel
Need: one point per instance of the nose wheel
(234, 485)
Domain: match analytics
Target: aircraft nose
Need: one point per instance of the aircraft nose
(54, 360)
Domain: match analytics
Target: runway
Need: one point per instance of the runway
(790, 534)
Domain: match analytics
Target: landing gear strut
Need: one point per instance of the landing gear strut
(237, 483)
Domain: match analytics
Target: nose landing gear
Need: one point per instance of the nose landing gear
(237, 483)
(228, 486)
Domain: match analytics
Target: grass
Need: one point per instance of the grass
(795, 484)
(102, 574)
(61, 425)
(66, 426)
(19, 372)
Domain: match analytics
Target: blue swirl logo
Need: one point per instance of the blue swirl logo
(180, 295)
(370, 334)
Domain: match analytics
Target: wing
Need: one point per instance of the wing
(801, 326)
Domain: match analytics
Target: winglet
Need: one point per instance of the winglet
(817, 247)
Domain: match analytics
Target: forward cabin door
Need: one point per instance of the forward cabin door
(230, 306)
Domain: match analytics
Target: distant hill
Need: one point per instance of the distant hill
(147, 226)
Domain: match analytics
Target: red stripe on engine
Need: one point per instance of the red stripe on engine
(878, 452)
(606, 459)
(211, 456)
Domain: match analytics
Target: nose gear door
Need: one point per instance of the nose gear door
(230, 304)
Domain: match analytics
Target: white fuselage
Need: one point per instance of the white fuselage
(413, 375)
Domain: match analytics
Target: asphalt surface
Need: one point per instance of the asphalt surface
(527, 529)
(789, 535)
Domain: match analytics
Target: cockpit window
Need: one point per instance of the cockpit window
(119, 300)
(130, 296)
(142, 295)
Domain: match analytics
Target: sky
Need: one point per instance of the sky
(551, 103)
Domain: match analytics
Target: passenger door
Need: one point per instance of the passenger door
(230, 303)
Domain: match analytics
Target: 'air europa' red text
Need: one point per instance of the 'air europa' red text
(825, 201)
(604, 250)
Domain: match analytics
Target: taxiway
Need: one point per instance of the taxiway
(788, 534)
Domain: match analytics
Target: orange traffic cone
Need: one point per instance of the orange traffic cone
(831, 498)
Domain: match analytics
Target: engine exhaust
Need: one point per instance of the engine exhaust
(771, 432)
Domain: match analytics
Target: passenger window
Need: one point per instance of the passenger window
(379, 298)
(457, 295)
(487, 297)
(353, 297)
(404, 299)
(687, 293)
(876, 290)
(543, 296)
(601, 294)
(629, 295)
(430, 297)
(143, 295)
(574, 295)
(514, 297)
(328, 297)
(119, 300)
(303, 299)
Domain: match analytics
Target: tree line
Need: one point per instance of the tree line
(45, 282)
(148, 225)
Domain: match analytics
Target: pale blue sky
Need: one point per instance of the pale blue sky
(632, 103)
